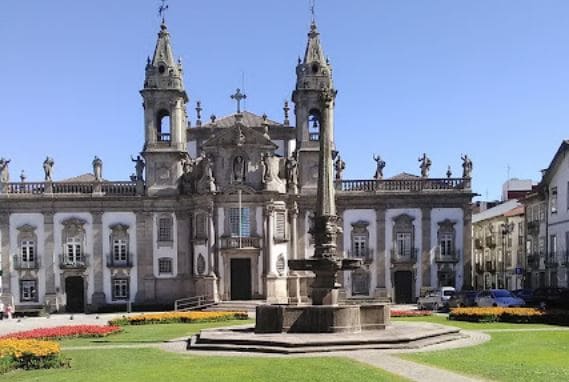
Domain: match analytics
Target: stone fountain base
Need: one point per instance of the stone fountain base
(321, 318)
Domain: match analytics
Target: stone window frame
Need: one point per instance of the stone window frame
(359, 230)
(403, 224)
(200, 225)
(280, 226)
(25, 289)
(165, 266)
(124, 283)
(119, 232)
(165, 230)
(27, 234)
(74, 234)
(446, 229)
(553, 200)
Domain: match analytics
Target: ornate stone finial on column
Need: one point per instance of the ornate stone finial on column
(449, 172)
(48, 168)
(22, 177)
(212, 119)
(466, 166)
(425, 165)
(199, 113)
(379, 166)
(286, 109)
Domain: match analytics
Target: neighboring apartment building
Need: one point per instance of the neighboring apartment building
(547, 219)
(498, 247)
(218, 207)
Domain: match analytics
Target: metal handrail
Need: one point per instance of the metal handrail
(191, 303)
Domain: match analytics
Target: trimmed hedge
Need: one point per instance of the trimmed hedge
(411, 313)
(178, 317)
(511, 315)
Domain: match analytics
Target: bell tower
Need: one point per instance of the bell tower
(314, 99)
(165, 118)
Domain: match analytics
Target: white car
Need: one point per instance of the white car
(436, 299)
(498, 297)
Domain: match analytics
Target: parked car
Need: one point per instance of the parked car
(462, 299)
(498, 297)
(547, 297)
(437, 299)
(526, 294)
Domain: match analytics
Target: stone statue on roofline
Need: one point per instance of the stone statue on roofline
(139, 166)
(48, 168)
(292, 173)
(380, 165)
(340, 166)
(4, 171)
(425, 165)
(466, 166)
(98, 169)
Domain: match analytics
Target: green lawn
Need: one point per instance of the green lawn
(133, 334)
(509, 356)
(443, 320)
(154, 365)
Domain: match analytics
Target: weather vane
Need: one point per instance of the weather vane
(162, 9)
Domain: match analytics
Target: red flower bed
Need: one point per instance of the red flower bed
(411, 313)
(65, 332)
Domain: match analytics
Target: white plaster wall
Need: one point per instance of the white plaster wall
(35, 220)
(281, 149)
(291, 146)
(369, 216)
(389, 223)
(193, 149)
(559, 230)
(58, 218)
(456, 216)
(129, 219)
(165, 251)
(560, 180)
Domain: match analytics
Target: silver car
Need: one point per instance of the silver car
(498, 297)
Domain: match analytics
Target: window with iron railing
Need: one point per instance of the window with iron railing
(27, 251)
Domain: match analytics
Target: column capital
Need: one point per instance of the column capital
(97, 216)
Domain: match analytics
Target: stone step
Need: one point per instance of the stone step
(197, 343)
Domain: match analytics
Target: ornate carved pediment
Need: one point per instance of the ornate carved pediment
(234, 188)
(74, 226)
(446, 225)
(404, 221)
(26, 228)
(360, 226)
(119, 227)
(240, 135)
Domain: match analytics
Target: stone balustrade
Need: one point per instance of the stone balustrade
(240, 242)
(399, 185)
(121, 188)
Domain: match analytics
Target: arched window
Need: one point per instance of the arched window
(163, 129)
(313, 123)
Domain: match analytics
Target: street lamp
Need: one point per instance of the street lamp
(507, 228)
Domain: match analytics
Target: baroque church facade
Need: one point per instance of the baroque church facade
(217, 208)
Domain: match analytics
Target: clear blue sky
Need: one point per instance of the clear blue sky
(485, 77)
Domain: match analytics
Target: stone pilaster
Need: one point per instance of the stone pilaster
(380, 254)
(425, 255)
(98, 260)
(49, 263)
(294, 278)
(467, 245)
(145, 257)
(5, 251)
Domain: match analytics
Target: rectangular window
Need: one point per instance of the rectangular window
(553, 200)
(239, 227)
(280, 225)
(27, 251)
(446, 244)
(165, 266)
(165, 229)
(120, 250)
(28, 291)
(120, 289)
(404, 243)
(359, 245)
(73, 252)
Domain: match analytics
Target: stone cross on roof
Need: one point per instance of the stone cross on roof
(238, 97)
(162, 9)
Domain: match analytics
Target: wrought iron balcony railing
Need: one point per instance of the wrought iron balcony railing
(366, 255)
(452, 257)
(115, 262)
(403, 257)
(23, 264)
(240, 242)
(73, 262)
